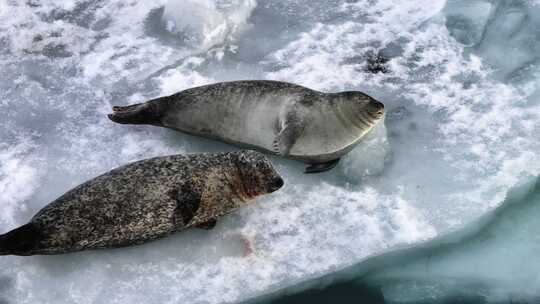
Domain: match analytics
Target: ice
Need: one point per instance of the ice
(369, 157)
(19, 178)
(207, 23)
(513, 30)
(466, 20)
(494, 265)
(461, 129)
(175, 80)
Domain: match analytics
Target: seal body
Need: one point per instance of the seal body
(143, 201)
(278, 117)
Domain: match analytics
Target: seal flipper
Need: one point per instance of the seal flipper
(284, 141)
(321, 167)
(208, 225)
(289, 132)
(142, 113)
(188, 201)
(20, 241)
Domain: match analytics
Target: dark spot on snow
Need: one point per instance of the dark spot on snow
(52, 50)
(376, 63)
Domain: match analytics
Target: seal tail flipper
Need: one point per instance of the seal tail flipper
(321, 167)
(139, 114)
(20, 241)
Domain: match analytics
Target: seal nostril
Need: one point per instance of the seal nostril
(277, 184)
(376, 108)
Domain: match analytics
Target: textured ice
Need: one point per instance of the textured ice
(207, 23)
(466, 20)
(496, 264)
(461, 129)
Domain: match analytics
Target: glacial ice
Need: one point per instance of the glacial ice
(460, 88)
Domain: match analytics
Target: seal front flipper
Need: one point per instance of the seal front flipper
(188, 201)
(289, 131)
(321, 167)
(208, 225)
(284, 141)
(142, 113)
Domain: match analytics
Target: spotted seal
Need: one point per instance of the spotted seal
(143, 201)
(278, 117)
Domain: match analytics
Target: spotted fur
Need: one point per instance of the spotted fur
(145, 200)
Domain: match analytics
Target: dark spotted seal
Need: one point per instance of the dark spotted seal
(282, 118)
(145, 200)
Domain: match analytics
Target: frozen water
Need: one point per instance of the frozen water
(369, 157)
(495, 265)
(491, 260)
(461, 129)
(466, 20)
(207, 23)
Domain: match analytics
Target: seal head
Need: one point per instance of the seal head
(375, 109)
(257, 173)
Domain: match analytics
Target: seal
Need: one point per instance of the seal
(143, 201)
(277, 117)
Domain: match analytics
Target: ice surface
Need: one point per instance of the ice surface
(495, 265)
(369, 157)
(458, 133)
(491, 260)
(207, 23)
(466, 20)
